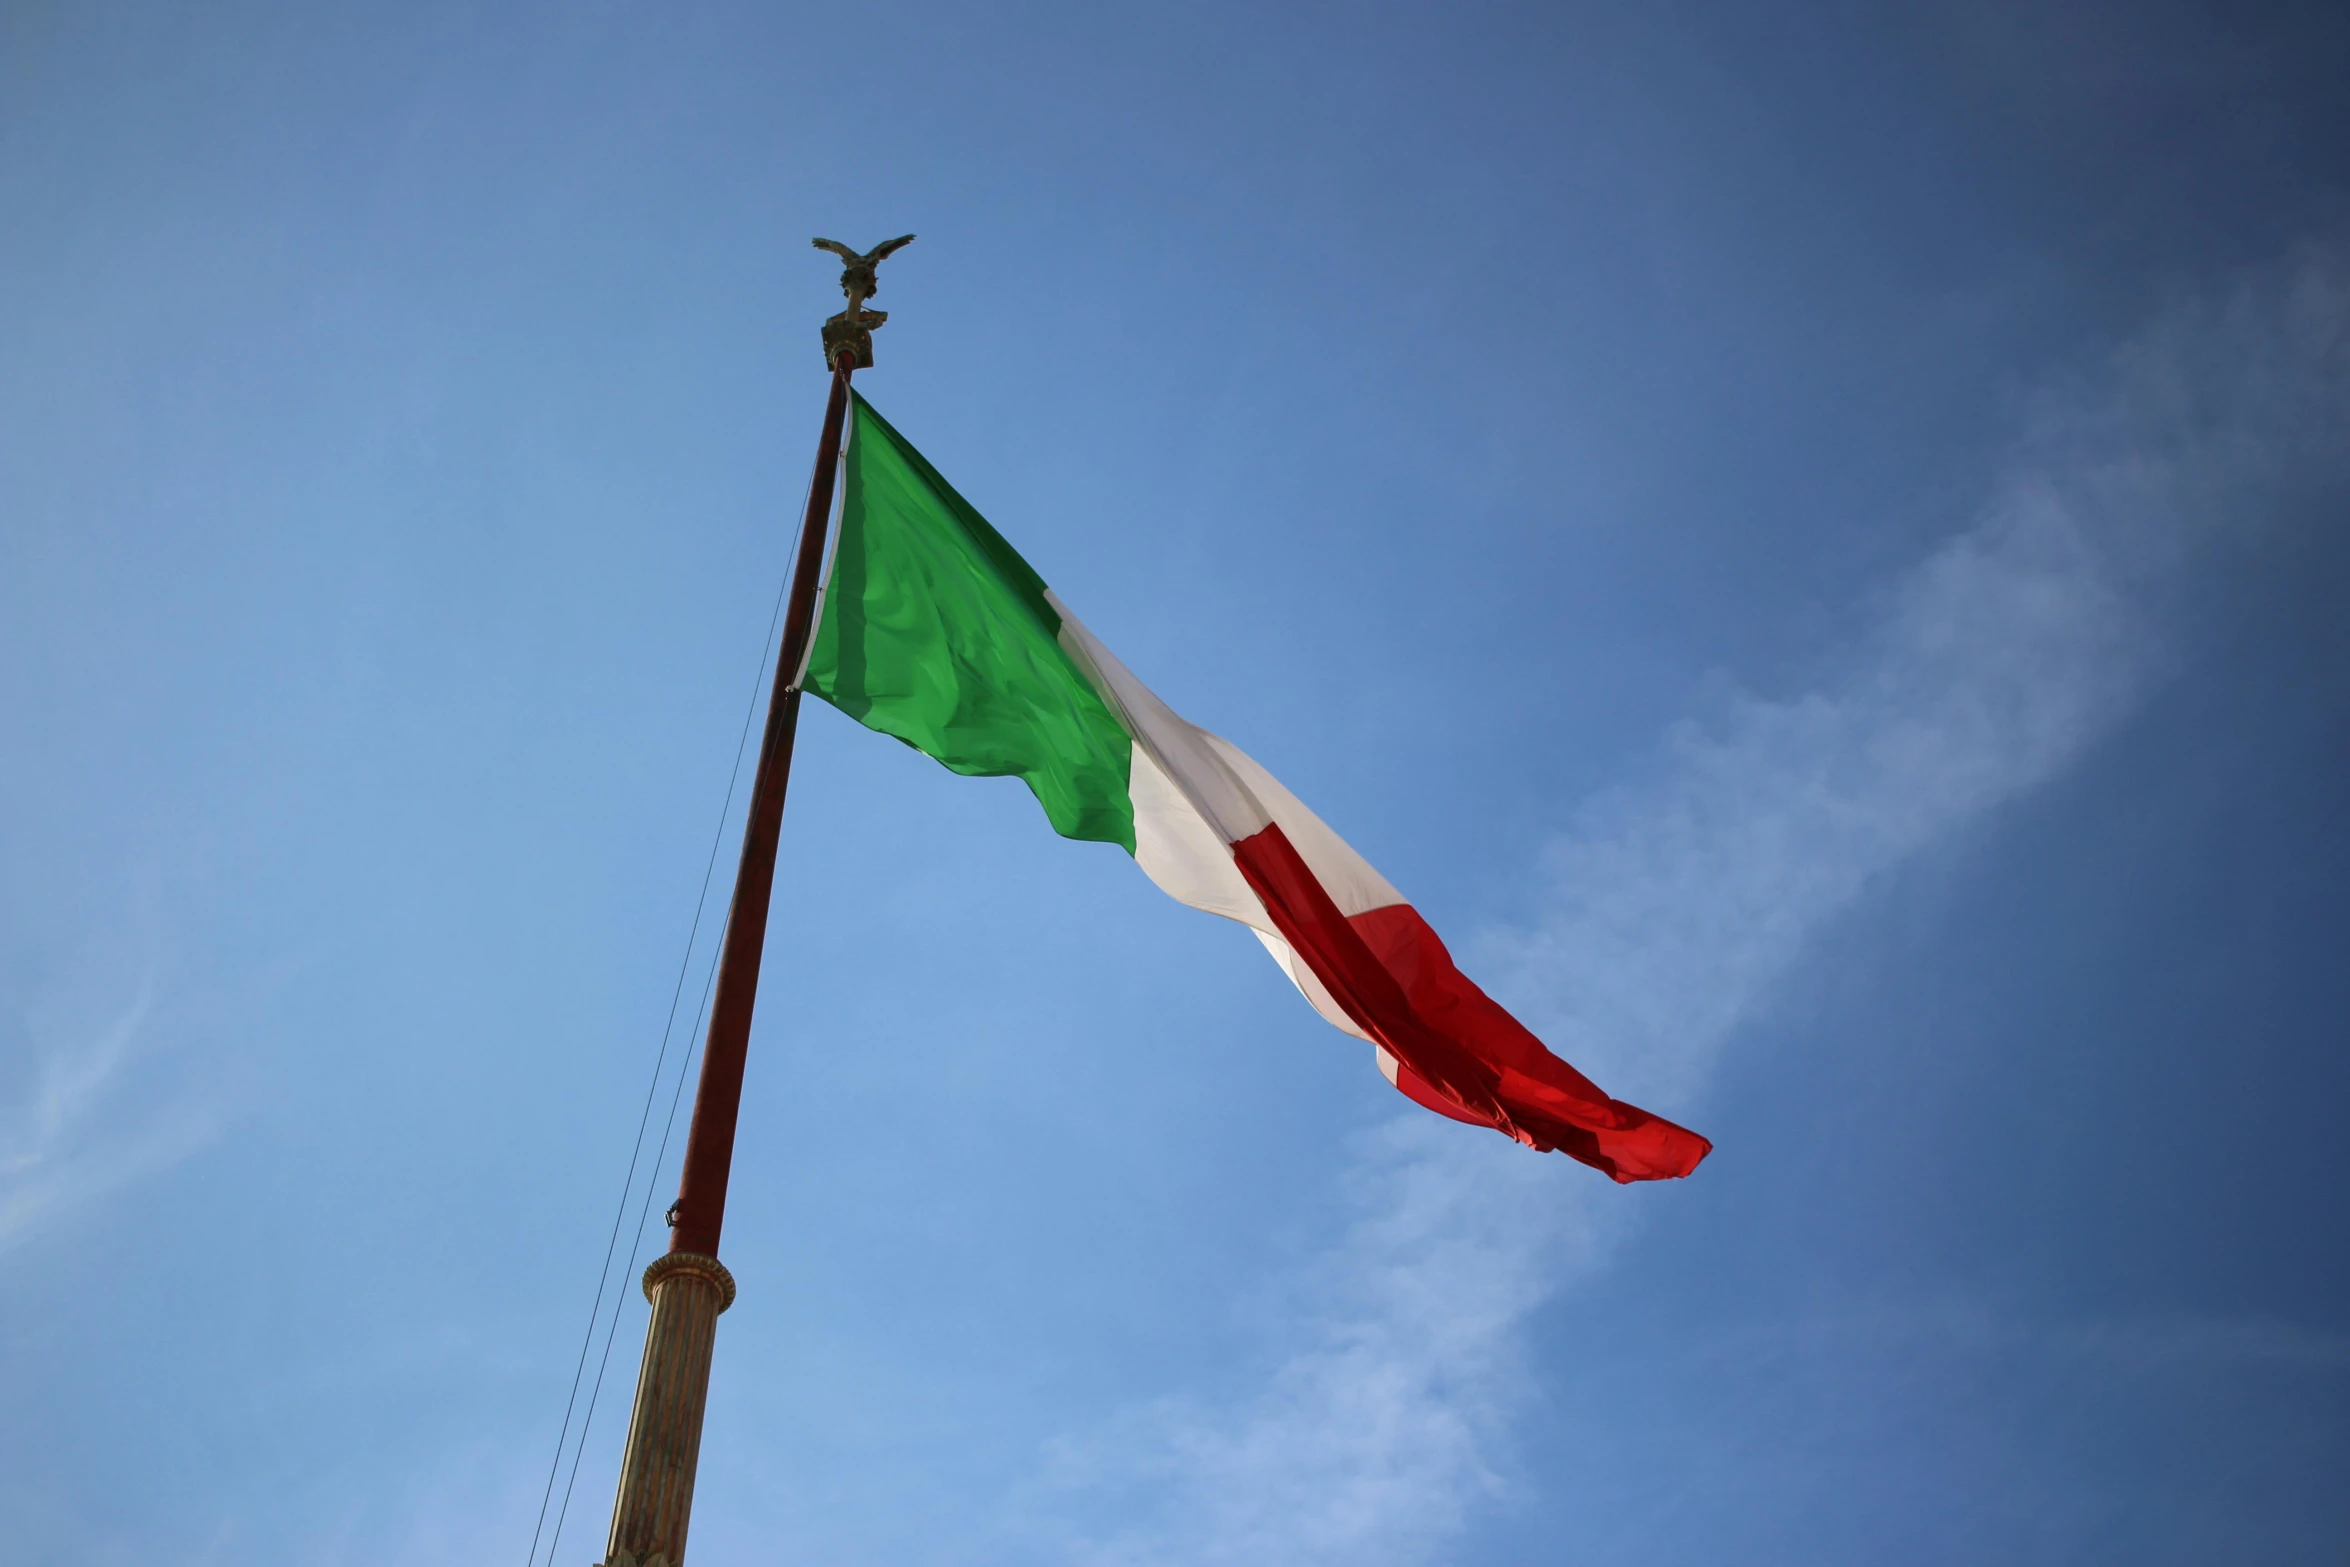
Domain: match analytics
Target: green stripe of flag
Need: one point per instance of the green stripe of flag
(937, 632)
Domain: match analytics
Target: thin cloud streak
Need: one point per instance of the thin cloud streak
(1370, 1443)
(1996, 664)
(1669, 913)
(64, 1154)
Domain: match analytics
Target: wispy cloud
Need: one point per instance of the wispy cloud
(67, 1148)
(1370, 1442)
(1994, 664)
(1670, 912)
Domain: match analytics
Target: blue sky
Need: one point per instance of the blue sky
(1807, 539)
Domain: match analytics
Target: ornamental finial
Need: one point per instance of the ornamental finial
(853, 328)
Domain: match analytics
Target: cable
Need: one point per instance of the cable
(676, 1097)
(644, 1119)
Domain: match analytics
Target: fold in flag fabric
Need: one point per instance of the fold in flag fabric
(933, 629)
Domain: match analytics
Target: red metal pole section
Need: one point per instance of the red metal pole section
(709, 1146)
(689, 1287)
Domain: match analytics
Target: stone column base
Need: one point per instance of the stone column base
(665, 1428)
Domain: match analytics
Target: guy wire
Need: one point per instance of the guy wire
(644, 1120)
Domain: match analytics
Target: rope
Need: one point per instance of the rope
(635, 1245)
(644, 1120)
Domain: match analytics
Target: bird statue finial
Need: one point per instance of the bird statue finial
(853, 327)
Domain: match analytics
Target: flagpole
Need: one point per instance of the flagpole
(689, 1287)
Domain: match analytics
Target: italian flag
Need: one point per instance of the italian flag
(933, 629)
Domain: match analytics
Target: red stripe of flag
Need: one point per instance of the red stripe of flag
(1459, 1052)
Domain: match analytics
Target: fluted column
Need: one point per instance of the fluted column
(665, 1429)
